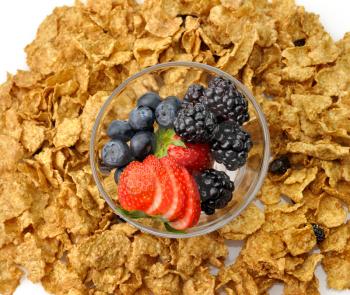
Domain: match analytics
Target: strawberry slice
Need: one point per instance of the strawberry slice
(174, 172)
(195, 157)
(163, 193)
(192, 209)
(160, 187)
(137, 187)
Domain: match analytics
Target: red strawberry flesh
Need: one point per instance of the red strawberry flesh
(161, 187)
(192, 209)
(163, 193)
(174, 172)
(136, 189)
(195, 157)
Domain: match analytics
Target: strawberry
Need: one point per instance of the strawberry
(160, 187)
(137, 186)
(163, 196)
(195, 157)
(175, 173)
(192, 209)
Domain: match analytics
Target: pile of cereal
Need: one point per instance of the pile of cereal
(53, 223)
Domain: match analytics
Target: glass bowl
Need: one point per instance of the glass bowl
(173, 78)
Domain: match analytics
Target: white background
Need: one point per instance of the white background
(19, 20)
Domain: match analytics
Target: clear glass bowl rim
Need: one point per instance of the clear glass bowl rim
(247, 199)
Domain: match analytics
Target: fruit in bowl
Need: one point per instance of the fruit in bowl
(163, 154)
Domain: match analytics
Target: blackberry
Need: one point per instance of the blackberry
(194, 93)
(319, 232)
(226, 101)
(195, 123)
(215, 188)
(280, 165)
(230, 145)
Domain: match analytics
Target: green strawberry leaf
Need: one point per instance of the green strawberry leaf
(169, 228)
(136, 214)
(179, 142)
(165, 138)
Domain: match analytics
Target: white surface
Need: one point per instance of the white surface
(19, 20)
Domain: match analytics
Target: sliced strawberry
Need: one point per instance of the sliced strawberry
(174, 172)
(137, 187)
(163, 193)
(192, 209)
(195, 157)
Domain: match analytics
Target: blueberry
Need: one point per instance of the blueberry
(116, 153)
(174, 100)
(149, 99)
(142, 144)
(117, 173)
(104, 169)
(120, 130)
(141, 118)
(166, 111)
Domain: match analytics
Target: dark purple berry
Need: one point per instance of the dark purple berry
(319, 233)
(224, 99)
(141, 118)
(117, 174)
(194, 93)
(215, 188)
(195, 123)
(230, 145)
(299, 42)
(149, 99)
(280, 165)
(116, 153)
(120, 130)
(142, 144)
(166, 112)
